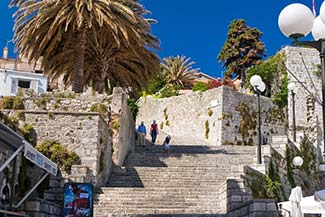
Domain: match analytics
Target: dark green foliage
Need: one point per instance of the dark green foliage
(100, 108)
(157, 82)
(273, 182)
(133, 107)
(200, 86)
(281, 97)
(242, 49)
(59, 154)
(308, 153)
(30, 134)
(270, 70)
(290, 174)
(12, 102)
(169, 91)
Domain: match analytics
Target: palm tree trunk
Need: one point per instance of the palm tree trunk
(79, 59)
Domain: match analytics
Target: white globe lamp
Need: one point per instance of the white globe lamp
(296, 21)
(318, 30)
(297, 161)
(261, 87)
(255, 80)
(291, 86)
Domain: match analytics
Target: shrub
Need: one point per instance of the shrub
(215, 83)
(133, 107)
(58, 154)
(169, 91)
(29, 133)
(200, 86)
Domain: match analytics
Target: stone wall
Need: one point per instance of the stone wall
(42, 208)
(302, 63)
(184, 117)
(240, 118)
(256, 208)
(219, 116)
(84, 133)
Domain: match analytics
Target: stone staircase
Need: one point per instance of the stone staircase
(185, 183)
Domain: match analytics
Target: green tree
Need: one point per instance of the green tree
(179, 71)
(241, 50)
(64, 31)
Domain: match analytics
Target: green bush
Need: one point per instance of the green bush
(12, 102)
(200, 86)
(169, 91)
(133, 107)
(58, 154)
(29, 133)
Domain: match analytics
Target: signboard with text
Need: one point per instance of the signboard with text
(39, 159)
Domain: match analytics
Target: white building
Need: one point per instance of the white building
(19, 73)
(11, 80)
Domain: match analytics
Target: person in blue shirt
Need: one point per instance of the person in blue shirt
(142, 132)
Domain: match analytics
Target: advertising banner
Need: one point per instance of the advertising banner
(39, 159)
(78, 200)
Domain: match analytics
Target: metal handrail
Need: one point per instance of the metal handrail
(13, 213)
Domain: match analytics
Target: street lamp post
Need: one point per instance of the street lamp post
(291, 88)
(296, 21)
(259, 87)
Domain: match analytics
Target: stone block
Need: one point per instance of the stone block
(271, 207)
(32, 206)
(255, 207)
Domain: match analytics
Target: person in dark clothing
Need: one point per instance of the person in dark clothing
(166, 144)
(153, 132)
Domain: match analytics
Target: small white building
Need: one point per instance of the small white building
(19, 73)
(11, 80)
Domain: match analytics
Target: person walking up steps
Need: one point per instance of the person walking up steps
(142, 132)
(166, 144)
(153, 132)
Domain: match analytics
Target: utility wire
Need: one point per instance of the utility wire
(302, 84)
(312, 82)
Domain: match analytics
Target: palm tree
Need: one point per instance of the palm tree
(58, 31)
(179, 71)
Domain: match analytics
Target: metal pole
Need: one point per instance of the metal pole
(259, 150)
(13, 188)
(293, 116)
(322, 58)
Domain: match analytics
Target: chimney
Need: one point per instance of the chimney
(5, 53)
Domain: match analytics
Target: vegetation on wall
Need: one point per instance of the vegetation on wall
(30, 134)
(166, 118)
(58, 154)
(101, 108)
(270, 71)
(207, 129)
(200, 86)
(248, 121)
(133, 107)
(41, 102)
(12, 102)
(281, 97)
(290, 173)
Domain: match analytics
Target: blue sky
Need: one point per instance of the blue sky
(198, 29)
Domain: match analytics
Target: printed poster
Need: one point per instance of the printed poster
(78, 200)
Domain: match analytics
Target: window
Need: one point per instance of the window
(23, 84)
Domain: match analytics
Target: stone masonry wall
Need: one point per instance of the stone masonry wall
(185, 116)
(240, 118)
(215, 117)
(123, 127)
(84, 133)
(302, 62)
